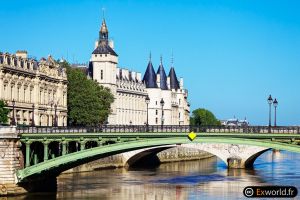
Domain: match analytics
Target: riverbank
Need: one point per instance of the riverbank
(170, 155)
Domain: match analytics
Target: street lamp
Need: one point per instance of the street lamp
(162, 103)
(51, 104)
(147, 102)
(275, 104)
(13, 122)
(55, 116)
(147, 123)
(270, 101)
(32, 120)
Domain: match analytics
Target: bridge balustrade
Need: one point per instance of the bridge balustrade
(160, 129)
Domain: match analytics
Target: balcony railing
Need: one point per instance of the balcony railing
(161, 129)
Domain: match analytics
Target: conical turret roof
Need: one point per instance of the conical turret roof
(163, 76)
(150, 76)
(174, 84)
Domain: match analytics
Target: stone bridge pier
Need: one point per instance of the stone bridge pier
(11, 160)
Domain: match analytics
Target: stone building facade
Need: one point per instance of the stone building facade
(130, 90)
(38, 89)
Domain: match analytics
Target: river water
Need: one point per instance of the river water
(202, 179)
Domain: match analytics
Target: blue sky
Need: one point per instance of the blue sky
(232, 54)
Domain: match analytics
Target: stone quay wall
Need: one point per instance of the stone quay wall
(170, 155)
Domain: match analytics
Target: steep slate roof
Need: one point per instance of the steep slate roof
(174, 84)
(150, 76)
(103, 47)
(163, 77)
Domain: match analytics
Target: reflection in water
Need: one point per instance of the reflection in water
(207, 179)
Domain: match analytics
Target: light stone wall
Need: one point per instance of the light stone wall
(10, 161)
(28, 82)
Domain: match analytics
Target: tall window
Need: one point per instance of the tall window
(101, 74)
(156, 120)
(156, 112)
(24, 95)
(40, 96)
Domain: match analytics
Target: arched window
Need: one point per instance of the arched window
(8, 60)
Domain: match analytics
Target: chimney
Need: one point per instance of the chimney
(181, 83)
(111, 44)
(22, 54)
(158, 80)
(168, 82)
(139, 76)
(96, 44)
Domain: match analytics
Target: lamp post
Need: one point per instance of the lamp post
(55, 116)
(275, 104)
(162, 103)
(270, 101)
(147, 102)
(13, 122)
(51, 104)
(32, 120)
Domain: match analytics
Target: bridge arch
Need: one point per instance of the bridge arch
(225, 152)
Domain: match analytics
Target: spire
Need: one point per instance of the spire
(172, 59)
(103, 34)
(150, 76)
(103, 46)
(163, 76)
(174, 84)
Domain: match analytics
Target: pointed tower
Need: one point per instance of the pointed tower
(150, 76)
(162, 76)
(173, 79)
(103, 66)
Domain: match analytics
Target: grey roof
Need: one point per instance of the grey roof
(104, 48)
(174, 84)
(163, 77)
(150, 76)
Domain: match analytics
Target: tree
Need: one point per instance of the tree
(203, 117)
(88, 102)
(3, 112)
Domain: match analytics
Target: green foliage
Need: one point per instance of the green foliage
(88, 102)
(3, 112)
(203, 117)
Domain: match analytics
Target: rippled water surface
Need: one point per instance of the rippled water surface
(204, 179)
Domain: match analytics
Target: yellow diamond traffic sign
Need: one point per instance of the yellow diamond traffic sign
(192, 136)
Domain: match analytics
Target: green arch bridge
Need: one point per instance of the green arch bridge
(48, 151)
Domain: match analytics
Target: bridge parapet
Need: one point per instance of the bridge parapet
(161, 129)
